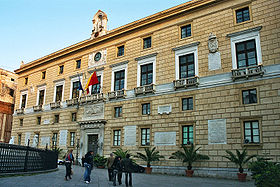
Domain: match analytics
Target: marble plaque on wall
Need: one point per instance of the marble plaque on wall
(165, 138)
(93, 112)
(129, 135)
(27, 137)
(46, 122)
(214, 61)
(63, 137)
(217, 132)
(164, 109)
(45, 140)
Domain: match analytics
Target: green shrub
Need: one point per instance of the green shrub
(99, 160)
(120, 152)
(265, 173)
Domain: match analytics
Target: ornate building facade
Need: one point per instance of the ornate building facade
(205, 72)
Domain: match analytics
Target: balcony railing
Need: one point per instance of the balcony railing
(187, 82)
(20, 111)
(72, 102)
(247, 72)
(37, 108)
(55, 105)
(116, 94)
(92, 98)
(144, 89)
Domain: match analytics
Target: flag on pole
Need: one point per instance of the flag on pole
(80, 85)
(91, 81)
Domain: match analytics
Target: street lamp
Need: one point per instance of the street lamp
(77, 146)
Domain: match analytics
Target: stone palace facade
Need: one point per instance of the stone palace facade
(205, 72)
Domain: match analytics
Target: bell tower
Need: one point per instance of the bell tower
(99, 24)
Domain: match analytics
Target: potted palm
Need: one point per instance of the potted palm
(149, 156)
(120, 152)
(189, 155)
(99, 161)
(240, 159)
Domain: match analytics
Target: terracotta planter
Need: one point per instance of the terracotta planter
(148, 170)
(242, 177)
(189, 173)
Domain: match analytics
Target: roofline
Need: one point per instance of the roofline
(118, 31)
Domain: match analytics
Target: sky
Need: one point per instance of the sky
(31, 29)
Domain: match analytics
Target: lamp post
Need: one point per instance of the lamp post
(77, 146)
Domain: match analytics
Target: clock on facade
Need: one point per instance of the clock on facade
(97, 56)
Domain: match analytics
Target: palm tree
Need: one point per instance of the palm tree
(120, 152)
(150, 156)
(189, 155)
(240, 159)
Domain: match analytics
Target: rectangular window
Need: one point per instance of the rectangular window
(187, 135)
(186, 31)
(75, 89)
(118, 112)
(249, 96)
(74, 116)
(147, 42)
(146, 74)
(54, 139)
(120, 50)
(187, 103)
(39, 120)
(246, 53)
(20, 122)
(26, 80)
(145, 136)
(23, 100)
(61, 69)
(119, 80)
(117, 138)
(56, 118)
(95, 89)
(58, 96)
(19, 139)
(72, 138)
(186, 66)
(37, 139)
(251, 132)
(242, 15)
(41, 97)
(78, 64)
(44, 75)
(146, 109)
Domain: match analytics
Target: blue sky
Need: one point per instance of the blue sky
(30, 29)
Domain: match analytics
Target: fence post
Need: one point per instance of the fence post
(26, 156)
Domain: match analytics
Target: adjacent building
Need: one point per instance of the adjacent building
(206, 72)
(8, 86)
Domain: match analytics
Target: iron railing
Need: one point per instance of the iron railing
(16, 159)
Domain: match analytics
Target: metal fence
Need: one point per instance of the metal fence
(15, 159)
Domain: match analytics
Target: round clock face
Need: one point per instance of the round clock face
(97, 56)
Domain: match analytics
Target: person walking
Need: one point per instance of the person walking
(69, 159)
(117, 170)
(110, 162)
(127, 168)
(88, 166)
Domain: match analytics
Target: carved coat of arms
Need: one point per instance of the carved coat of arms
(212, 43)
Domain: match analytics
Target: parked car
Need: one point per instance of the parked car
(60, 162)
(137, 169)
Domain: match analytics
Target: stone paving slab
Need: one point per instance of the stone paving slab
(100, 179)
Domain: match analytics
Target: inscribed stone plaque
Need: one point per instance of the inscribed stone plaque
(27, 137)
(129, 135)
(217, 132)
(46, 122)
(93, 112)
(214, 61)
(165, 138)
(45, 140)
(164, 109)
(63, 138)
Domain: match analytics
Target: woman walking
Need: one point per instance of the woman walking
(68, 162)
(88, 166)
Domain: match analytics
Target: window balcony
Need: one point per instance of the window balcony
(20, 111)
(72, 102)
(247, 72)
(187, 82)
(37, 108)
(92, 98)
(55, 105)
(116, 94)
(144, 89)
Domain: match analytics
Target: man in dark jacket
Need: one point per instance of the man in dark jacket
(110, 162)
(127, 167)
(117, 169)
